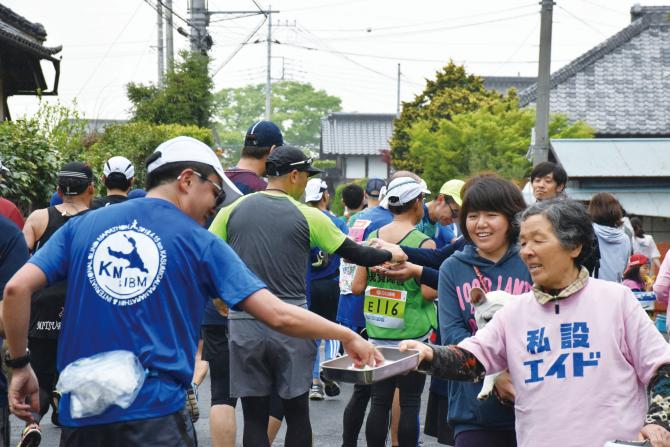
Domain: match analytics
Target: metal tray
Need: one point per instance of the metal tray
(396, 362)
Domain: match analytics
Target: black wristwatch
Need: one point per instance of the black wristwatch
(18, 362)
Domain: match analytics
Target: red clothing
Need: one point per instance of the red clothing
(11, 212)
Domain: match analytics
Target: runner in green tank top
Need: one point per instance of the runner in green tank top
(395, 311)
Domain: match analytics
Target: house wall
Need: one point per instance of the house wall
(356, 167)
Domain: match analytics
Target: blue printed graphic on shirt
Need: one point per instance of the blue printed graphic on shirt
(574, 339)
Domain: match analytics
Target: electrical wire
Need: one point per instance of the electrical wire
(414, 25)
(174, 13)
(237, 50)
(438, 29)
(176, 28)
(579, 19)
(118, 36)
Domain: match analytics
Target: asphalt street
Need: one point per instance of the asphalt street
(326, 417)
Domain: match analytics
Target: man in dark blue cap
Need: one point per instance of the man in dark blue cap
(261, 138)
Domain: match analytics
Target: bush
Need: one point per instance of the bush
(136, 141)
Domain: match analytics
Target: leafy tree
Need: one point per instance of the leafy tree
(136, 141)
(34, 148)
(297, 108)
(186, 97)
(452, 92)
(495, 137)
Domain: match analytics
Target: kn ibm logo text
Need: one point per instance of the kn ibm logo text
(125, 264)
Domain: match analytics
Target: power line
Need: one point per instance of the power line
(83, 86)
(588, 25)
(237, 50)
(174, 13)
(414, 25)
(438, 29)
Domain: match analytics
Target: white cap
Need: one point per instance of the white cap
(403, 189)
(121, 165)
(182, 149)
(315, 189)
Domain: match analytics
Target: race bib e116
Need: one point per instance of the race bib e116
(385, 307)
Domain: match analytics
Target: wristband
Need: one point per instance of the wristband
(18, 362)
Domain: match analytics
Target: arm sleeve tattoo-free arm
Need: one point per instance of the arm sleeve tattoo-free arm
(454, 363)
(658, 393)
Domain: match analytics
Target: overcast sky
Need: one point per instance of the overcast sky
(350, 48)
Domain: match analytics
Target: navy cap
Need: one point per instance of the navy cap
(285, 159)
(263, 134)
(374, 186)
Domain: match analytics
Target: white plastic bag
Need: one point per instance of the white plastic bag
(97, 382)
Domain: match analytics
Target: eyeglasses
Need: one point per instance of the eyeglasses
(220, 193)
(454, 213)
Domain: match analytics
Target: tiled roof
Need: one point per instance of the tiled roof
(18, 31)
(356, 133)
(503, 83)
(622, 86)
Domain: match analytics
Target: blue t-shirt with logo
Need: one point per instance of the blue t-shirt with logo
(139, 274)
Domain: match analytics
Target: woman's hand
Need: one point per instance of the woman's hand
(657, 435)
(425, 351)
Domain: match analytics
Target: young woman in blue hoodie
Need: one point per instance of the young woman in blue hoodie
(491, 261)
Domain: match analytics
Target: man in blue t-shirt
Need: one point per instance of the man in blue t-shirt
(139, 275)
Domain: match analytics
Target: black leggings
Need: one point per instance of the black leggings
(354, 414)
(376, 429)
(257, 412)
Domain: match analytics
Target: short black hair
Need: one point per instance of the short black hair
(546, 168)
(352, 196)
(636, 223)
(255, 152)
(169, 172)
(492, 193)
(117, 180)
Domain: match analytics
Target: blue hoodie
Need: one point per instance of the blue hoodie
(456, 316)
(614, 247)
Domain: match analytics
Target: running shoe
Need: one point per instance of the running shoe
(192, 403)
(331, 387)
(316, 392)
(31, 436)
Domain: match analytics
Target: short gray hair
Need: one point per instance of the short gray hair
(570, 222)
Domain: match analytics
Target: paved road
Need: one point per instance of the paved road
(326, 417)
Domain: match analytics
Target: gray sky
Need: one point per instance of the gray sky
(350, 48)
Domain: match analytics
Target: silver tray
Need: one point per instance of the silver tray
(396, 362)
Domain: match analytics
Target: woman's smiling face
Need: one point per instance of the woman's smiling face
(488, 231)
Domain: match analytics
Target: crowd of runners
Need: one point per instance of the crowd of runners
(115, 308)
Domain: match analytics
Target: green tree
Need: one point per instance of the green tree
(297, 108)
(136, 141)
(495, 138)
(186, 98)
(452, 92)
(33, 148)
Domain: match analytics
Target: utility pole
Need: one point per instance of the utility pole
(169, 40)
(397, 109)
(268, 81)
(541, 147)
(159, 47)
(200, 40)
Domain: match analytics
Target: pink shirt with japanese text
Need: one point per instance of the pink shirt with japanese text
(580, 375)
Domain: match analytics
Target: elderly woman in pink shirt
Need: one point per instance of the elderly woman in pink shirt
(587, 364)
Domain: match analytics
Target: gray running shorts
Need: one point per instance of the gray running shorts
(262, 359)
